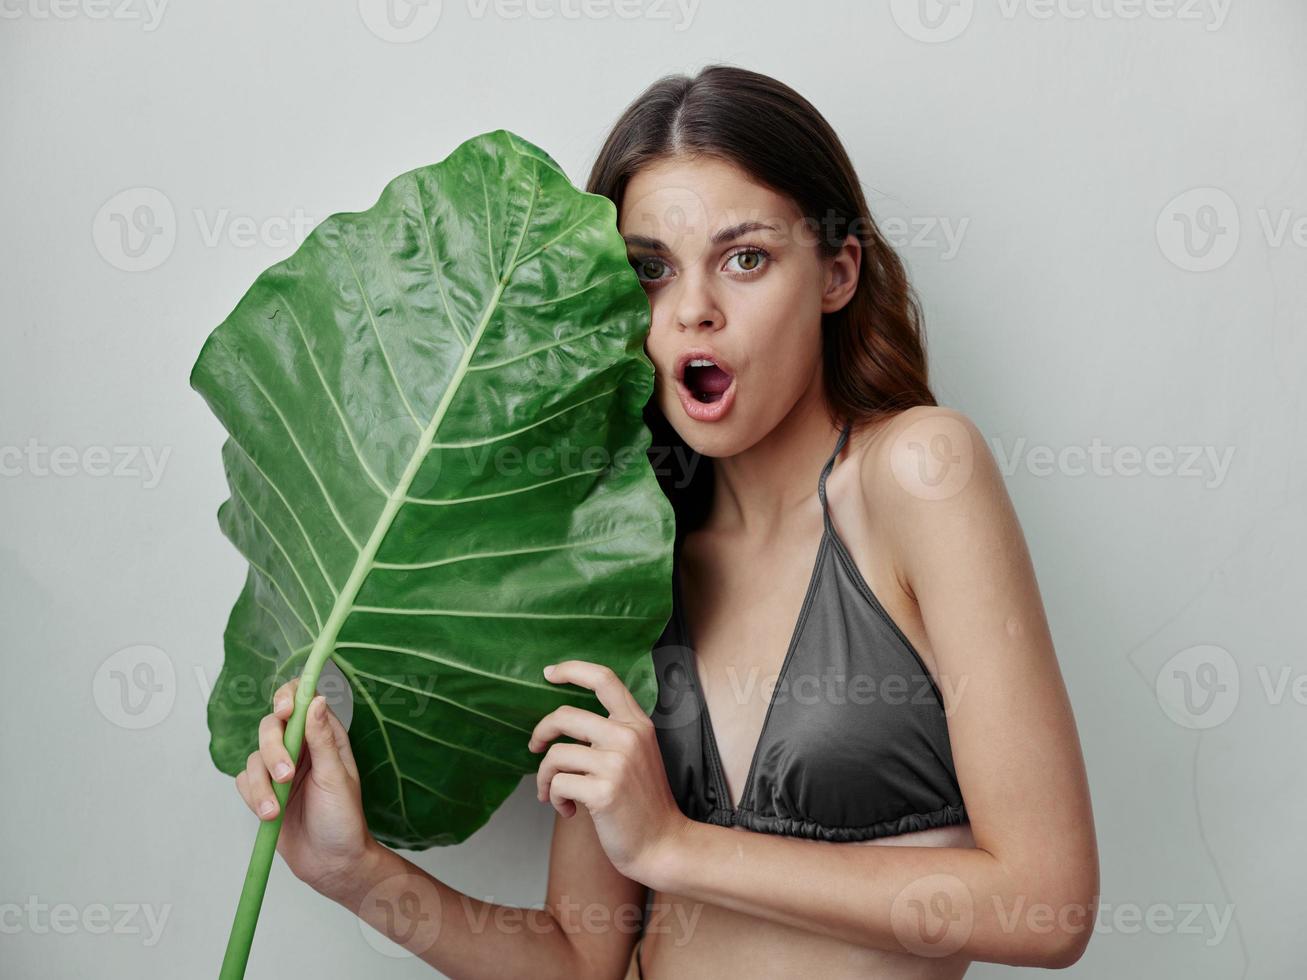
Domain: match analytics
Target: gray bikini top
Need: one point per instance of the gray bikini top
(854, 743)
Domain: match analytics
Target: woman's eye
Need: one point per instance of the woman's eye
(648, 270)
(653, 270)
(750, 259)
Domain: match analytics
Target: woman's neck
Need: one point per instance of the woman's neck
(758, 489)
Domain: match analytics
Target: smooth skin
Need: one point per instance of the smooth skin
(923, 509)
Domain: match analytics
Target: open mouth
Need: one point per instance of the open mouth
(705, 379)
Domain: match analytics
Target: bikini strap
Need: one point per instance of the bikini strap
(825, 471)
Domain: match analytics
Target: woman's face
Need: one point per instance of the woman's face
(734, 277)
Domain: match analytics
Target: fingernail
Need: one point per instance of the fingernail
(282, 770)
(319, 706)
(267, 808)
(549, 669)
(282, 704)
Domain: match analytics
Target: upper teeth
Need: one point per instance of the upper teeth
(702, 362)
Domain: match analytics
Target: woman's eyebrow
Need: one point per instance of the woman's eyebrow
(718, 238)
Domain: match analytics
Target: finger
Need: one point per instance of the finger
(259, 786)
(575, 723)
(566, 757)
(283, 699)
(328, 768)
(567, 789)
(243, 788)
(303, 767)
(272, 746)
(608, 687)
(342, 744)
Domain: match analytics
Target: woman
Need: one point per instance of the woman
(858, 655)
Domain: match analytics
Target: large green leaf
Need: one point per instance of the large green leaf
(438, 476)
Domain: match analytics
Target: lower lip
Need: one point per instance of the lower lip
(706, 411)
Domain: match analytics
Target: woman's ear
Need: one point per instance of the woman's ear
(842, 275)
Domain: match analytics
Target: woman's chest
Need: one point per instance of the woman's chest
(814, 718)
(744, 614)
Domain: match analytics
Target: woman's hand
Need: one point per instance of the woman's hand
(324, 836)
(618, 776)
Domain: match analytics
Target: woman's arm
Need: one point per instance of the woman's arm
(591, 912)
(591, 917)
(1026, 894)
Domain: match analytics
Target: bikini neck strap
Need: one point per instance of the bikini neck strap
(825, 472)
(821, 487)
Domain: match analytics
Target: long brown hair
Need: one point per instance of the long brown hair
(873, 350)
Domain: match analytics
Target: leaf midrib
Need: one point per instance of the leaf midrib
(365, 560)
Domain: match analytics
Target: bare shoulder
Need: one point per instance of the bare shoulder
(932, 492)
(925, 455)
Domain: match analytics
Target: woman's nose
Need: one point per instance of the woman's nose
(696, 309)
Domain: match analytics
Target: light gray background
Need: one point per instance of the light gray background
(1065, 148)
